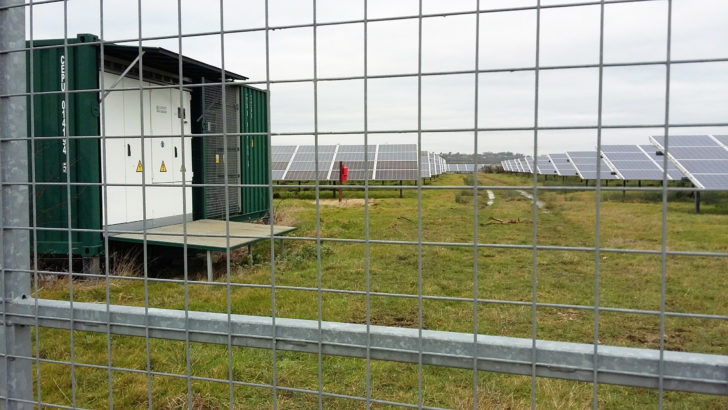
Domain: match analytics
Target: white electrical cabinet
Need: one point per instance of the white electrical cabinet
(161, 163)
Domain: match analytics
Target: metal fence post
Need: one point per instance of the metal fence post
(16, 377)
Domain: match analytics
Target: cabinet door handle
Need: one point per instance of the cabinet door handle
(128, 150)
(175, 152)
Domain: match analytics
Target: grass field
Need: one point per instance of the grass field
(694, 284)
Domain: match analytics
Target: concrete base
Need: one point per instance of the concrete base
(92, 265)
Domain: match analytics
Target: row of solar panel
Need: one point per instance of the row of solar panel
(434, 166)
(461, 168)
(640, 162)
(703, 159)
(381, 162)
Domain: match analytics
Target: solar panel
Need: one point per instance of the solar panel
(437, 164)
(527, 163)
(634, 163)
(304, 162)
(672, 170)
(353, 158)
(702, 158)
(460, 168)
(545, 167)
(723, 139)
(585, 163)
(396, 162)
(384, 162)
(280, 158)
(425, 165)
(562, 165)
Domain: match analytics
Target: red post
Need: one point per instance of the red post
(341, 177)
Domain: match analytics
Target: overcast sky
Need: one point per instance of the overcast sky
(633, 32)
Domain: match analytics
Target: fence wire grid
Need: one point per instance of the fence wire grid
(485, 290)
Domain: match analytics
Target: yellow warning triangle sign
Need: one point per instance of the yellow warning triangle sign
(139, 166)
(182, 169)
(163, 168)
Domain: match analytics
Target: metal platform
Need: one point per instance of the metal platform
(206, 234)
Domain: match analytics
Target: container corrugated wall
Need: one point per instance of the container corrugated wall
(254, 151)
(78, 70)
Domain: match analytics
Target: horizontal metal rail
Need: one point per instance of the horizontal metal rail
(691, 372)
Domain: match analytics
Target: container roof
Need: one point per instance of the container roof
(166, 60)
(154, 57)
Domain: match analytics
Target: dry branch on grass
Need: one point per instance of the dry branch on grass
(497, 221)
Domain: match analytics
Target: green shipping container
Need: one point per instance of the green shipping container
(254, 119)
(59, 160)
(53, 117)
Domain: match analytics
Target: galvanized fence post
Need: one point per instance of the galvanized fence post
(16, 377)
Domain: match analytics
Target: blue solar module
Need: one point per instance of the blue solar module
(585, 163)
(672, 170)
(702, 158)
(303, 163)
(460, 168)
(425, 171)
(544, 166)
(562, 165)
(522, 167)
(396, 162)
(383, 162)
(353, 158)
(723, 139)
(527, 163)
(280, 158)
(434, 165)
(635, 163)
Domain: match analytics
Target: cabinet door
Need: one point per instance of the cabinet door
(178, 142)
(113, 153)
(161, 109)
(133, 118)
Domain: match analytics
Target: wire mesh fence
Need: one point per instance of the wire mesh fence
(152, 257)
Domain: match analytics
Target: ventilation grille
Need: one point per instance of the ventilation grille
(216, 159)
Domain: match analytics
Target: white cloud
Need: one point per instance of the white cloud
(634, 95)
(341, 105)
(452, 52)
(569, 36)
(506, 99)
(568, 97)
(392, 47)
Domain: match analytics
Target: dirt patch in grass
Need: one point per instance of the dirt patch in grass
(346, 203)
